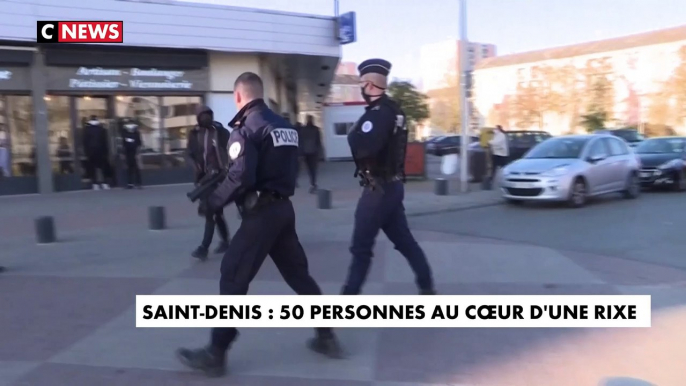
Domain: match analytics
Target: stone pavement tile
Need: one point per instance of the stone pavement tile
(492, 263)
(620, 271)
(654, 355)
(11, 371)
(73, 375)
(124, 254)
(662, 297)
(507, 289)
(385, 383)
(275, 352)
(429, 236)
(451, 356)
(44, 315)
(328, 262)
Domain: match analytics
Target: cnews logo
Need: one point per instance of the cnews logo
(80, 32)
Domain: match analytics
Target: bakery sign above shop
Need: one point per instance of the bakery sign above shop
(125, 79)
(15, 78)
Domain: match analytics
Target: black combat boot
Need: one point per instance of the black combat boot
(326, 344)
(200, 253)
(211, 362)
(222, 248)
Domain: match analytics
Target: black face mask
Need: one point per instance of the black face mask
(367, 98)
(204, 120)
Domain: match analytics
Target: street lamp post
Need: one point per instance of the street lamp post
(464, 105)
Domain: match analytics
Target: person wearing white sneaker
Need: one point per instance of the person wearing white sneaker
(96, 148)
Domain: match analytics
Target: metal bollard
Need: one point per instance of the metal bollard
(441, 187)
(157, 220)
(45, 230)
(323, 199)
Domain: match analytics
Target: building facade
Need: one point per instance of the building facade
(440, 65)
(440, 62)
(345, 86)
(190, 54)
(637, 80)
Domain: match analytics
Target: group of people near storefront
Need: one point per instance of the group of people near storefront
(96, 147)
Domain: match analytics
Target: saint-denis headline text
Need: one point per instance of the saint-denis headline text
(510, 311)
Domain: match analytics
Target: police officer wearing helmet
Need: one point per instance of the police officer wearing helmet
(263, 149)
(378, 142)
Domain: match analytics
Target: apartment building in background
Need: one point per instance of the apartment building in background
(644, 76)
(345, 86)
(439, 61)
(440, 66)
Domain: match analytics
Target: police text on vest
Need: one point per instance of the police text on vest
(284, 137)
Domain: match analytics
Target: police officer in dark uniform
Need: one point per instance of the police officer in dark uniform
(263, 150)
(378, 142)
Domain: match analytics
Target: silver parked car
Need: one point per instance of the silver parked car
(572, 169)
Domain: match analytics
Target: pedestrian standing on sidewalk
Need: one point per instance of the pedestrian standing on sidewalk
(261, 179)
(207, 147)
(499, 150)
(311, 140)
(96, 146)
(378, 143)
(131, 143)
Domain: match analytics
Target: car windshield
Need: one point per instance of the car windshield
(661, 146)
(558, 148)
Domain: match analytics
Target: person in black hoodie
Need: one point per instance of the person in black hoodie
(207, 149)
(311, 147)
(131, 143)
(97, 150)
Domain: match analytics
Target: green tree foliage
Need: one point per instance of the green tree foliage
(597, 112)
(594, 121)
(413, 102)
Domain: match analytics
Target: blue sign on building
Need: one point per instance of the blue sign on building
(347, 30)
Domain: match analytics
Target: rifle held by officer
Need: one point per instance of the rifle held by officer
(206, 185)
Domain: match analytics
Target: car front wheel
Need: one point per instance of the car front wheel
(680, 182)
(633, 187)
(577, 194)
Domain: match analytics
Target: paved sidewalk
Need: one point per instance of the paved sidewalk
(67, 310)
(75, 211)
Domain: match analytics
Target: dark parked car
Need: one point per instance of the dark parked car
(449, 144)
(631, 136)
(519, 142)
(663, 162)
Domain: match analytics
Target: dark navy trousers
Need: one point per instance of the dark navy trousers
(267, 230)
(382, 209)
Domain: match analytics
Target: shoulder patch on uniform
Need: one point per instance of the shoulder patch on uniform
(400, 121)
(234, 150)
(367, 126)
(284, 137)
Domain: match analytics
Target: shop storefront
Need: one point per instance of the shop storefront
(137, 85)
(17, 134)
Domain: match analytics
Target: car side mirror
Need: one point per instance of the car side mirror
(595, 158)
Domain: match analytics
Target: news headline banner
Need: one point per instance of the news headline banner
(444, 311)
